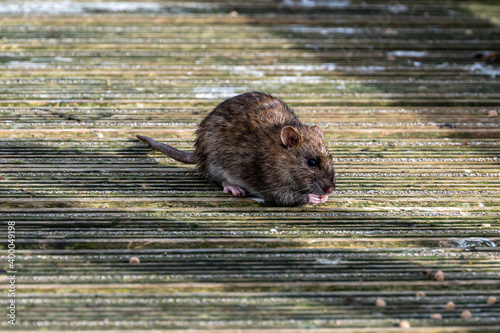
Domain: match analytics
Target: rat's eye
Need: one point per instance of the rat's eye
(312, 162)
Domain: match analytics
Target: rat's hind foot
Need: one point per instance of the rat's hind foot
(235, 190)
(314, 199)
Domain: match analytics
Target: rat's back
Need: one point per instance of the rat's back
(255, 110)
(237, 133)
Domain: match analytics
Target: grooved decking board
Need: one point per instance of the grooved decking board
(409, 116)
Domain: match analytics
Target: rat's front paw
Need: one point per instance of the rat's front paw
(235, 190)
(315, 199)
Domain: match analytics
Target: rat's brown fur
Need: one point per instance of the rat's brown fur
(255, 142)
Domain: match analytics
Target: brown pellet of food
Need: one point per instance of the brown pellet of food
(466, 314)
(439, 276)
(134, 260)
(449, 306)
(436, 316)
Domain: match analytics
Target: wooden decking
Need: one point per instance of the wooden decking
(409, 115)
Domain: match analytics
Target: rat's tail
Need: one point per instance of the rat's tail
(176, 154)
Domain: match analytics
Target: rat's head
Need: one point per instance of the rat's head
(305, 165)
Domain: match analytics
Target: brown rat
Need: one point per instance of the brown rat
(254, 143)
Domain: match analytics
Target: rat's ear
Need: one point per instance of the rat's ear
(289, 136)
(317, 129)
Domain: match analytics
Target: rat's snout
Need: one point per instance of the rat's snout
(329, 189)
